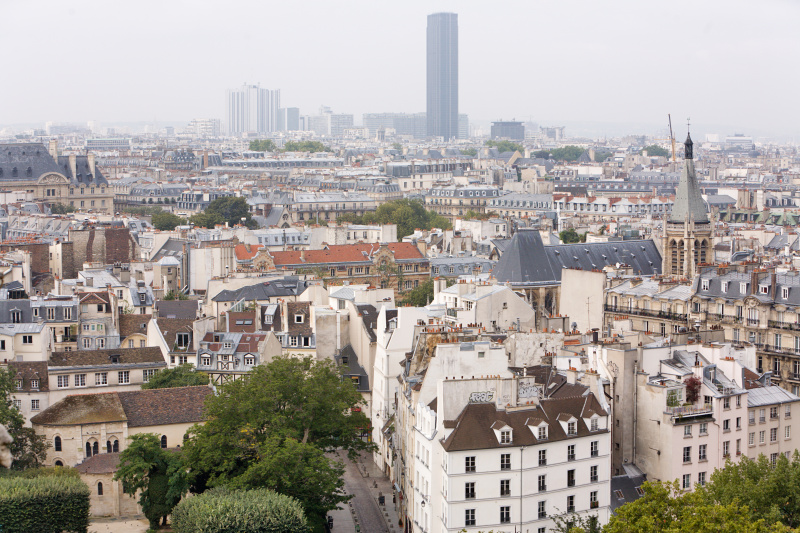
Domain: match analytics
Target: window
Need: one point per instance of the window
(572, 428)
(469, 463)
(27, 339)
(738, 422)
(205, 361)
(34, 405)
(469, 517)
(542, 483)
(773, 435)
(469, 490)
(751, 439)
(570, 504)
(87, 343)
(773, 458)
(687, 430)
(705, 284)
(593, 473)
(773, 413)
(751, 417)
(67, 313)
(726, 403)
(542, 508)
(701, 452)
(570, 478)
(505, 487)
(101, 378)
(505, 437)
(542, 457)
(164, 441)
(593, 425)
(101, 343)
(762, 437)
(788, 413)
(787, 432)
(124, 377)
(687, 454)
(18, 405)
(726, 448)
(62, 381)
(726, 425)
(505, 462)
(595, 448)
(701, 478)
(571, 452)
(593, 502)
(762, 416)
(298, 319)
(505, 514)
(542, 432)
(292, 341)
(687, 481)
(182, 340)
(80, 380)
(99, 488)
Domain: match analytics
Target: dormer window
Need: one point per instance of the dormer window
(743, 288)
(594, 424)
(298, 319)
(764, 289)
(572, 428)
(785, 293)
(542, 433)
(505, 436)
(34, 383)
(724, 286)
(227, 345)
(19, 384)
(705, 284)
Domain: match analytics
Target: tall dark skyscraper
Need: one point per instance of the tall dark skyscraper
(443, 75)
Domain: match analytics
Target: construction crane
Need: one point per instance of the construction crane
(671, 136)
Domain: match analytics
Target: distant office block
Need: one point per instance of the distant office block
(108, 144)
(204, 127)
(442, 75)
(463, 126)
(289, 119)
(406, 124)
(253, 109)
(508, 130)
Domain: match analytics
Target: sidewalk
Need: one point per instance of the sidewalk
(378, 485)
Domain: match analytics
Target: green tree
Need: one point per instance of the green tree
(569, 236)
(61, 209)
(180, 376)
(262, 145)
(541, 154)
(407, 214)
(306, 146)
(287, 407)
(420, 295)
(655, 150)
(599, 157)
(314, 220)
(172, 295)
(770, 492)
(505, 146)
(474, 215)
(567, 153)
(664, 508)
(156, 474)
(472, 152)
(28, 450)
(228, 511)
(230, 209)
(166, 221)
(397, 146)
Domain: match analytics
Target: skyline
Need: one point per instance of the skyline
(723, 63)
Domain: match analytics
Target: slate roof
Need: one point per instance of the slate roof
(299, 308)
(288, 286)
(102, 463)
(369, 315)
(171, 326)
(624, 489)
(157, 407)
(689, 202)
(353, 368)
(176, 309)
(22, 156)
(127, 356)
(528, 261)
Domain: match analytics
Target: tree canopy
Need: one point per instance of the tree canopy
(230, 209)
(180, 376)
(306, 146)
(569, 236)
(505, 146)
(407, 214)
(262, 145)
(421, 295)
(166, 221)
(158, 475)
(272, 431)
(472, 152)
(599, 157)
(474, 215)
(28, 450)
(655, 150)
(61, 209)
(567, 153)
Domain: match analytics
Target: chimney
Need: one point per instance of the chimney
(53, 149)
(73, 166)
(773, 285)
(90, 161)
(572, 376)
(754, 282)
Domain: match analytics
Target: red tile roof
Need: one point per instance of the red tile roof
(245, 252)
(345, 253)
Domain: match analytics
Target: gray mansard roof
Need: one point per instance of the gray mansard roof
(528, 261)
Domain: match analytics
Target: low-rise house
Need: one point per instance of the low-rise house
(226, 356)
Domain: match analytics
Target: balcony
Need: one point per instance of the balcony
(682, 411)
(725, 319)
(666, 315)
(754, 322)
(784, 325)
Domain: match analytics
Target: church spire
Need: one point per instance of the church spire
(689, 204)
(688, 147)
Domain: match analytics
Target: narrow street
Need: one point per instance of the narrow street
(370, 516)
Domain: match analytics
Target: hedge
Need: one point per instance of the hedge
(250, 511)
(44, 504)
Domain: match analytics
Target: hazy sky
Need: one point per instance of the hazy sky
(726, 64)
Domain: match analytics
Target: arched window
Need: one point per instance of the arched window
(99, 488)
(57, 444)
(59, 463)
(88, 450)
(115, 446)
(95, 448)
(163, 441)
(108, 446)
